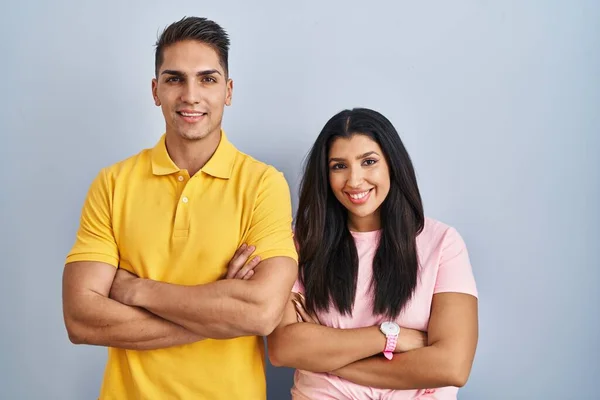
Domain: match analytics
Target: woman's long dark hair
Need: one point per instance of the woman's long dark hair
(327, 253)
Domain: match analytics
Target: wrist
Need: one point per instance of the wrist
(379, 340)
(390, 330)
(136, 293)
(410, 339)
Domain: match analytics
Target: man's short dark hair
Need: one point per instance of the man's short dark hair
(194, 28)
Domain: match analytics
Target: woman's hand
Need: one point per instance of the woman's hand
(301, 313)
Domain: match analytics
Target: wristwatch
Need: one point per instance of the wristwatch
(391, 330)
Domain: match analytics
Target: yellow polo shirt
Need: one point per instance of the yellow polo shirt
(148, 216)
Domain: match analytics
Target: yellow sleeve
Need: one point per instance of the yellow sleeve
(271, 227)
(95, 240)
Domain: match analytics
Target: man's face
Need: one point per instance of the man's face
(192, 90)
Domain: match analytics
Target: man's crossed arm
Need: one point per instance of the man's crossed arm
(111, 307)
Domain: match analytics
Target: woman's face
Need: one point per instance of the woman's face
(360, 179)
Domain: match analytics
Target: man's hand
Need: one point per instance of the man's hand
(123, 286)
(123, 289)
(238, 267)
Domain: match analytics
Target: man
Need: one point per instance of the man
(147, 273)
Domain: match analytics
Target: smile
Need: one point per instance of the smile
(189, 114)
(359, 198)
(191, 117)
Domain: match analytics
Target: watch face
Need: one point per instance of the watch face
(390, 328)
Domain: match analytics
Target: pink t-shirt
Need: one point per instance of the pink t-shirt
(444, 267)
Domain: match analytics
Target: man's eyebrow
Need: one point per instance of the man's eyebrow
(208, 72)
(199, 73)
(172, 72)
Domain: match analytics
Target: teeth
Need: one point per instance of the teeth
(359, 196)
(191, 114)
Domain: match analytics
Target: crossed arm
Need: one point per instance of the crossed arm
(107, 306)
(142, 314)
(354, 354)
(445, 361)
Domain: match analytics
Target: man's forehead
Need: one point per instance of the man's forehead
(190, 57)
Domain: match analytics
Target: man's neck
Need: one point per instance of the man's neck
(192, 155)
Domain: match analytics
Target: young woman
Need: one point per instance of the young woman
(375, 274)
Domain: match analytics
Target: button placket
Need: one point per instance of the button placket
(185, 190)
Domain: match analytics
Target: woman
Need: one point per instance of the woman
(370, 262)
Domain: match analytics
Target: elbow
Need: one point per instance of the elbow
(275, 357)
(276, 351)
(75, 338)
(275, 360)
(267, 325)
(458, 374)
(269, 320)
(75, 332)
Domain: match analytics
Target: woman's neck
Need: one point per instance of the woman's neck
(368, 223)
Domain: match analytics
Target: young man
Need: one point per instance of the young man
(147, 275)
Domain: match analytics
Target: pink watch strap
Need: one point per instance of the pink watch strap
(390, 346)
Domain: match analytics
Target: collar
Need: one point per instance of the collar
(219, 165)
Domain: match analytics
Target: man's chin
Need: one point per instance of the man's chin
(193, 136)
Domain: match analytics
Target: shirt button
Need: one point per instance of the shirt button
(185, 199)
(180, 178)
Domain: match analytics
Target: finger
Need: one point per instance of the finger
(248, 267)
(302, 311)
(237, 261)
(248, 275)
(316, 319)
(249, 250)
(299, 313)
(297, 296)
(313, 318)
(240, 250)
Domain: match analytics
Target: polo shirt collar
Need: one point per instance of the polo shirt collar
(219, 165)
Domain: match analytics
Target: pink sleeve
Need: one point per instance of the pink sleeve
(455, 273)
(298, 287)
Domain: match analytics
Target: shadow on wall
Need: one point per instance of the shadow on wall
(279, 380)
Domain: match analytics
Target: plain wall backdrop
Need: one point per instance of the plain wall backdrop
(498, 104)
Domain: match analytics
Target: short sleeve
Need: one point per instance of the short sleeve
(95, 240)
(455, 273)
(271, 227)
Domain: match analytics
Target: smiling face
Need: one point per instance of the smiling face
(192, 90)
(359, 177)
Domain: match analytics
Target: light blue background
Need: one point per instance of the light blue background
(497, 102)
